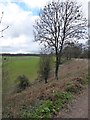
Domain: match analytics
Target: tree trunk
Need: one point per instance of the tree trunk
(57, 67)
(45, 80)
(59, 59)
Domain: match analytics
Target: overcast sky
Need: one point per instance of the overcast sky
(20, 16)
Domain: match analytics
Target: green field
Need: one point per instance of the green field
(14, 66)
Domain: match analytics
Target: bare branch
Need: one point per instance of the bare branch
(3, 28)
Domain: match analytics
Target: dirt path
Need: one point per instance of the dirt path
(78, 108)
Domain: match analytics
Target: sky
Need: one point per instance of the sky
(20, 15)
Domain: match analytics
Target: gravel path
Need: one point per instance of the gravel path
(78, 108)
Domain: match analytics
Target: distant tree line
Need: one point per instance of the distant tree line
(21, 54)
(78, 50)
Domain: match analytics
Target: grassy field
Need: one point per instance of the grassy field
(14, 66)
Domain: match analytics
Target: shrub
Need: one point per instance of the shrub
(44, 67)
(23, 83)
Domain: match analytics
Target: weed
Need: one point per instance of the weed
(45, 110)
(61, 99)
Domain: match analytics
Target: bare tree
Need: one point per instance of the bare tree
(60, 22)
(2, 30)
